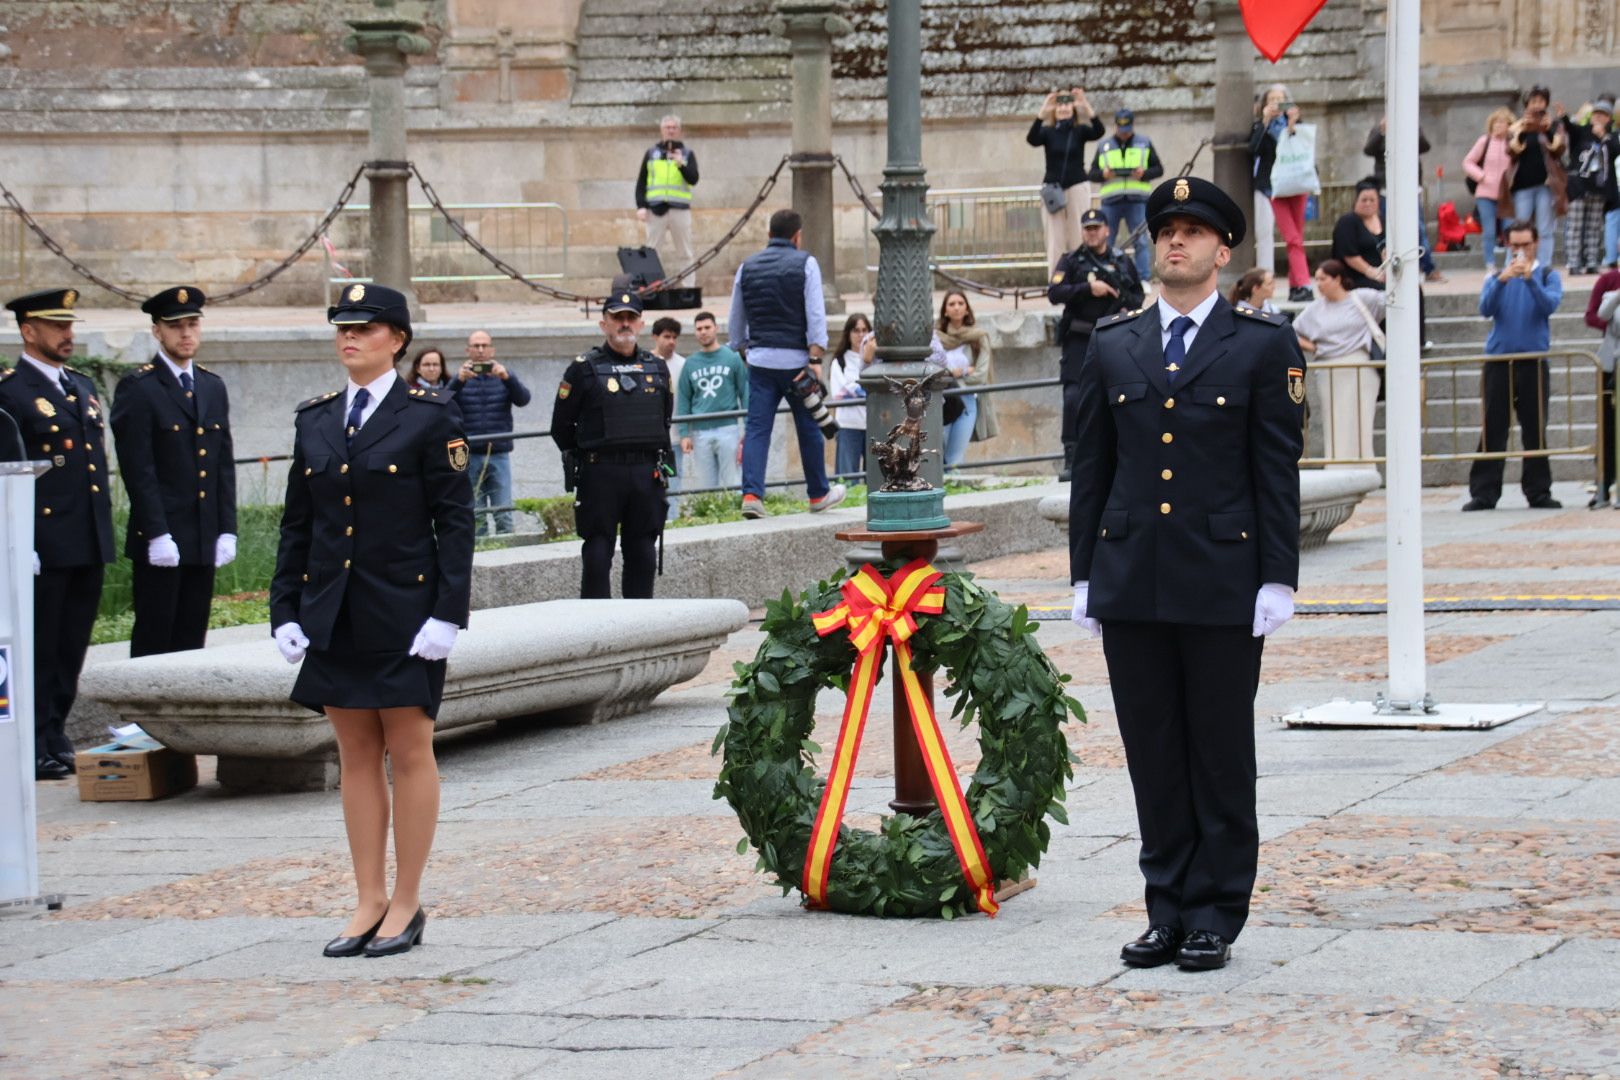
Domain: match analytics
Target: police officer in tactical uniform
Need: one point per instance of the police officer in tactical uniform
(1092, 282)
(1125, 167)
(1184, 553)
(63, 422)
(611, 420)
(171, 419)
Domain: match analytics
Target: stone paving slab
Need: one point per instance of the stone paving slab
(1576, 974)
(1446, 967)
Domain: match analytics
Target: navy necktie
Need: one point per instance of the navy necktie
(1175, 353)
(67, 387)
(186, 383)
(360, 398)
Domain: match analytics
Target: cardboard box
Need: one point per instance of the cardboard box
(113, 773)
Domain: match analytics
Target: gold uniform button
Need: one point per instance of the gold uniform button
(89, 446)
(1105, 532)
(306, 577)
(1122, 399)
(202, 453)
(200, 431)
(202, 472)
(177, 427)
(420, 578)
(1164, 508)
(1167, 438)
(349, 531)
(343, 468)
(95, 489)
(1220, 401)
(91, 466)
(1170, 403)
(347, 501)
(345, 564)
(46, 448)
(308, 471)
(202, 494)
(1167, 474)
(55, 429)
(46, 511)
(1244, 535)
(393, 468)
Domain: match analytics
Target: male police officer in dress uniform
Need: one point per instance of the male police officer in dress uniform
(1184, 552)
(1092, 282)
(171, 420)
(611, 418)
(62, 422)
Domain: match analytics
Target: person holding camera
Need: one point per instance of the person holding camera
(486, 392)
(1064, 125)
(779, 323)
(1092, 282)
(669, 171)
(1536, 143)
(1520, 302)
(611, 421)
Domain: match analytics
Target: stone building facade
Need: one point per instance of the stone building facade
(202, 140)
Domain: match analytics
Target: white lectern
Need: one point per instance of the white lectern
(19, 856)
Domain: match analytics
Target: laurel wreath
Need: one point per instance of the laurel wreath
(998, 676)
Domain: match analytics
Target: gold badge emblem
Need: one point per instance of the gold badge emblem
(1057, 278)
(357, 293)
(69, 298)
(45, 408)
(1183, 191)
(624, 298)
(1296, 385)
(182, 296)
(612, 385)
(457, 449)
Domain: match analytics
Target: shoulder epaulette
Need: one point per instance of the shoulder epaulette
(432, 397)
(1118, 319)
(6, 373)
(302, 405)
(142, 372)
(1259, 316)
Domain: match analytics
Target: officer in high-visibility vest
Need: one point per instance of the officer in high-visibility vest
(1126, 166)
(664, 193)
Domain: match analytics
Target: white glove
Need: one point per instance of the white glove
(224, 549)
(435, 640)
(163, 551)
(1078, 615)
(36, 564)
(1273, 606)
(291, 641)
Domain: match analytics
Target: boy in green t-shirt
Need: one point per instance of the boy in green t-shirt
(714, 379)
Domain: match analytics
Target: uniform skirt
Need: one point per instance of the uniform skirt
(344, 677)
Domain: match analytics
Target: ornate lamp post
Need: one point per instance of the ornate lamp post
(387, 41)
(810, 25)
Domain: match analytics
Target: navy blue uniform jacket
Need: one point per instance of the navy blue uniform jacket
(384, 527)
(1185, 499)
(72, 500)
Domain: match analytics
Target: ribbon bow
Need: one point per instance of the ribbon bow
(876, 611)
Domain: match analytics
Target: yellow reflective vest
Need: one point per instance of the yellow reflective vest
(1124, 161)
(665, 184)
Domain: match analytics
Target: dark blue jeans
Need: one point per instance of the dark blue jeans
(766, 389)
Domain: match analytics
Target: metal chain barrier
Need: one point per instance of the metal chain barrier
(580, 298)
(240, 291)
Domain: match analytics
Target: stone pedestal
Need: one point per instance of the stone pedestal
(387, 42)
(809, 26)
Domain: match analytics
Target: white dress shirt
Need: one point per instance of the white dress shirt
(1168, 314)
(52, 373)
(175, 367)
(378, 389)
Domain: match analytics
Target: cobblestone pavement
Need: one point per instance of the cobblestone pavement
(1430, 903)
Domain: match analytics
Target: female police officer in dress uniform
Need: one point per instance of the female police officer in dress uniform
(373, 578)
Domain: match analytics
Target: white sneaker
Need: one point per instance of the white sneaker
(834, 496)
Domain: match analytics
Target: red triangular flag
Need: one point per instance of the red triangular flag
(1274, 24)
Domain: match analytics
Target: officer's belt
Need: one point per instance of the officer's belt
(620, 457)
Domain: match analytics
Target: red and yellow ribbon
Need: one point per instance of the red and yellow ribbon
(875, 611)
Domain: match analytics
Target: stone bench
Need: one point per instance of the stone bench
(557, 662)
(1327, 498)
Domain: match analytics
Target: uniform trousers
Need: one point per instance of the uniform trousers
(171, 607)
(1521, 384)
(627, 501)
(1074, 352)
(65, 602)
(1184, 696)
(676, 223)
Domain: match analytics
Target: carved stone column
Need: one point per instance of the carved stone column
(387, 42)
(809, 26)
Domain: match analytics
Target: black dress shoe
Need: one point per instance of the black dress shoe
(1477, 504)
(1301, 293)
(1157, 946)
(1546, 502)
(352, 946)
(1202, 951)
(48, 768)
(401, 942)
(68, 758)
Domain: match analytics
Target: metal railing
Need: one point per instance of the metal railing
(1572, 375)
(532, 236)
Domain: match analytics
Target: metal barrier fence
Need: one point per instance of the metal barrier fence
(12, 249)
(1572, 375)
(533, 237)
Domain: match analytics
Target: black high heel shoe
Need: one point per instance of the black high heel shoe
(401, 942)
(352, 946)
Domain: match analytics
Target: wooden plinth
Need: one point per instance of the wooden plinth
(913, 794)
